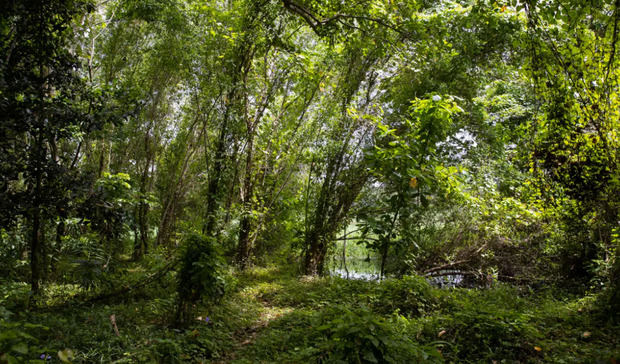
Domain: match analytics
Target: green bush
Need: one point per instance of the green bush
(485, 325)
(410, 295)
(166, 351)
(17, 345)
(85, 261)
(12, 245)
(201, 275)
(14, 297)
(361, 336)
(340, 334)
(483, 333)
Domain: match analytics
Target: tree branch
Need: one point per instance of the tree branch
(316, 24)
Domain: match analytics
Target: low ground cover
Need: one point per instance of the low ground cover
(273, 315)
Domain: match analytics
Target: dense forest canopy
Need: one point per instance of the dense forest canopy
(184, 153)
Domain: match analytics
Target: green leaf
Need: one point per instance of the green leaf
(21, 348)
(66, 356)
(369, 356)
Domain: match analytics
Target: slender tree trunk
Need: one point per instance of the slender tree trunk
(136, 235)
(144, 228)
(168, 218)
(60, 232)
(215, 175)
(386, 244)
(384, 255)
(332, 207)
(36, 238)
(36, 244)
(231, 187)
(167, 221)
(141, 244)
(214, 179)
(104, 158)
(315, 239)
(242, 65)
(244, 248)
(344, 252)
(614, 290)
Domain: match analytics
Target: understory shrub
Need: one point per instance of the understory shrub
(485, 325)
(410, 295)
(341, 334)
(484, 333)
(17, 345)
(361, 336)
(201, 275)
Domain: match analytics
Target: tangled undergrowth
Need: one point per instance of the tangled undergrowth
(271, 315)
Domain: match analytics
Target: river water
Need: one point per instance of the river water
(363, 264)
(368, 270)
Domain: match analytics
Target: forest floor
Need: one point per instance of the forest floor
(274, 316)
(304, 319)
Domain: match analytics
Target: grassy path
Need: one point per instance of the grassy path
(254, 311)
(246, 336)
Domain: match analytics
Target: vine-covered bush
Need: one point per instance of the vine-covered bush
(201, 275)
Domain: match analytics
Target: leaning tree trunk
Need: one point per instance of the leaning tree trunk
(167, 221)
(335, 200)
(176, 191)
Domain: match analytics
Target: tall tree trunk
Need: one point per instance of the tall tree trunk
(614, 290)
(315, 236)
(104, 158)
(384, 255)
(141, 244)
(36, 238)
(244, 248)
(167, 219)
(215, 176)
(344, 252)
(231, 187)
(240, 69)
(333, 205)
(36, 244)
(386, 244)
(144, 228)
(317, 248)
(60, 227)
(136, 235)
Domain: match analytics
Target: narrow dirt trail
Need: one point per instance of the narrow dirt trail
(268, 311)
